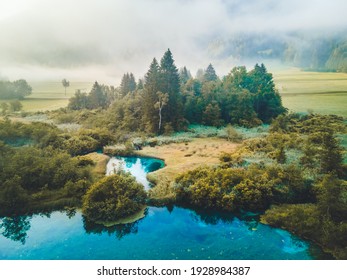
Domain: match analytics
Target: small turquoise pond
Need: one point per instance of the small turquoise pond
(163, 234)
(137, 166)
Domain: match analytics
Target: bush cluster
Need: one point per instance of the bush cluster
(113, 197)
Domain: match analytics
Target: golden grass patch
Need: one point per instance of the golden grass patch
(100, 161)
(181, 157)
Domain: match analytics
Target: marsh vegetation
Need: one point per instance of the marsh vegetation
(228, 143)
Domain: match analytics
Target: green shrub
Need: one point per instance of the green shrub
(113, 197)
(76, 189)
(254, 194)
(303, 219)
(209, 188)
(307, 220)
(79, 145)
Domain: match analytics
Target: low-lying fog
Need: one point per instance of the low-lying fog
(101, 40)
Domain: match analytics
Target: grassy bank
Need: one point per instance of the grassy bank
(181, 157)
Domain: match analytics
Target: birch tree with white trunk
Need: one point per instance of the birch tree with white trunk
(163, 99)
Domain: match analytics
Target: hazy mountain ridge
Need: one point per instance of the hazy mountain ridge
(318, 53)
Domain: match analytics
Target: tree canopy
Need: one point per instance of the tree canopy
(210, 74)
(14, 90)
(245, 98)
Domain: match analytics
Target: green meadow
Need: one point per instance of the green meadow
(301, 91)
(320, 92)
(50, 95)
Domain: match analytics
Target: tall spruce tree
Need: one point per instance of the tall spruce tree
(128, 84)
(331, 153)
(210, 74)
(97, 97)
(170, 84)
(184, 75)
(132, 82)
(124, 89)
(267, 101)
(151, 87)
(140, 84)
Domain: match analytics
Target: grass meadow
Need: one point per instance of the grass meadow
(320, 92)
(301, 91)
(181, 157)
(50, 95)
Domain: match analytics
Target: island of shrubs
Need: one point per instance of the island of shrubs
(113, 198)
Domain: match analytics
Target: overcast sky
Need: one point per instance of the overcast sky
(102, 39)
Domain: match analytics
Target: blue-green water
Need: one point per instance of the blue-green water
(137, 166)
(162, 234)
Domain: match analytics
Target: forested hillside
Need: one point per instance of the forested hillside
(307, 51)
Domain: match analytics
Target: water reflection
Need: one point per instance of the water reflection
(165, 233)
(70, 212)
(210, 217)
(119, 231)
(15, 228)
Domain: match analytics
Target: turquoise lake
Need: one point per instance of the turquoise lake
(164, 233)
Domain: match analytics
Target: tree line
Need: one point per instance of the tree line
(14, 90)
(168, 100)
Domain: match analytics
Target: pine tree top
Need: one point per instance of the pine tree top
(210, 74)
(152, 71)
(167, 62)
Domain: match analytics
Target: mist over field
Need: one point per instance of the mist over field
(145, 118)
(101, 40)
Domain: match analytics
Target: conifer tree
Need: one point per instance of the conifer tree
(267, 101)
(97, 97)
(128, 84)
(211, 114)
(132, 83)
(139, 84)
(169, 83)
(184, 75)
(124, 84)
(151, 87)
(210, 74)
(331, 153)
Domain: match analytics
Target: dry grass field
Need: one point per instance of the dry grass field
(181, 157)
